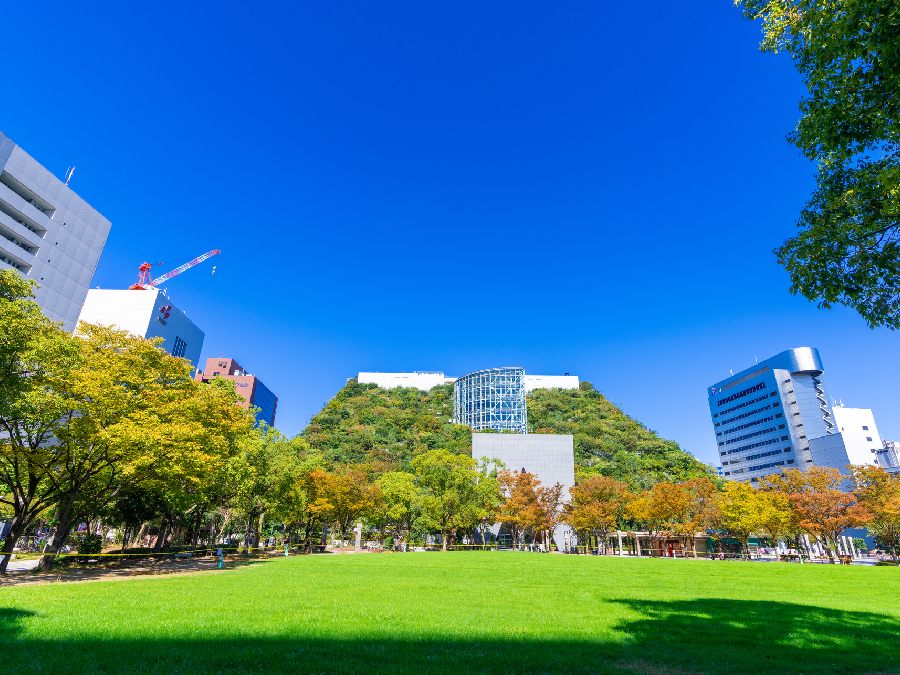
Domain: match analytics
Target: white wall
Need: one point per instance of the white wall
(423, 380)
(139, 313)
(533, 382)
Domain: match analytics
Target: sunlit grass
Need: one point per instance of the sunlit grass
(463, 611)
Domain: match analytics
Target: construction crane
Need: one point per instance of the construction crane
(146, 282)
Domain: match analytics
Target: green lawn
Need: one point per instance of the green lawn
(475, 612)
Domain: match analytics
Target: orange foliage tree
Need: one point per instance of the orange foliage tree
(597, 507)
(879, 492)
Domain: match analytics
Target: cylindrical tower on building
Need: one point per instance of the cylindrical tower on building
(491, 399)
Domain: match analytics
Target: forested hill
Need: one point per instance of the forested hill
(387, 427)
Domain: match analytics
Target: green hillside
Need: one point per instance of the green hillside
(364, 424)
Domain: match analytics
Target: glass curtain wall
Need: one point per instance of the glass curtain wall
(491, 399)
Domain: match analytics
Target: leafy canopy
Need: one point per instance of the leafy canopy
(848, 53)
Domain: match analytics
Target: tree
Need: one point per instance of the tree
(848, 250)
(778, 519)
(34, 353)
(349, 496)
(521, 510)
(701, 509)
(597, 506)
(822, 508)
(399, 503)
(456, 491)
(879, 493)
(739, 511)
(660, 509)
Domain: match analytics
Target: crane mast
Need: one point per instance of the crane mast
(146, 281)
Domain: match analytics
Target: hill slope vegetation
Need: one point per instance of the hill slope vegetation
(386, 428)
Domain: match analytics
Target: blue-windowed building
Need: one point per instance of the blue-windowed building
(765, 416)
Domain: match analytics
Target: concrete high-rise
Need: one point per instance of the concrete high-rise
(251, 389)
(47, 233)
(765, 416)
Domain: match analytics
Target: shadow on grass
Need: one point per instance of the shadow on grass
(711, 635)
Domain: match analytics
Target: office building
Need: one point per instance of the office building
(550, 457)
(148, 314)
(888, 457)
(47, 233)
(251, 389)
(427, 379)
(765, 416)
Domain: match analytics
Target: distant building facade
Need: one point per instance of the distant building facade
(250, 387)
(550, 457)
(427, 379)
(47, 233)
(765, 416)
(419, 379)
(889, 456)
(147, 314)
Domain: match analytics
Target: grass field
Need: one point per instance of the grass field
(476, 612)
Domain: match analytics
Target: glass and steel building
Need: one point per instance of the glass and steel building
(491, 399)
(765, 416)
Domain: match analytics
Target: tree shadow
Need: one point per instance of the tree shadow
(689, 636)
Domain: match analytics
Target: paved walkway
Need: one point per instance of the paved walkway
(118, 570)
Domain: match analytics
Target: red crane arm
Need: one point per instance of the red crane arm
(188, 265)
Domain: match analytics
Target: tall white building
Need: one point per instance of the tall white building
(147, 314)
(47, 233)
(856, 442)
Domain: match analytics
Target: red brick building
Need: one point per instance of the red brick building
(251, 389)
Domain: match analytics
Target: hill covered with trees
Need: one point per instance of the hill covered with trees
(386, 428)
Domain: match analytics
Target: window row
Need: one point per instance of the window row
(742, 393)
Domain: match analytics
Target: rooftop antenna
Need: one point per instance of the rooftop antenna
(69, 173)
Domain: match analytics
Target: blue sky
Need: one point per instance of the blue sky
(588, 187)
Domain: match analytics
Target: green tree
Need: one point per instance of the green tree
(848, 250)
(457, 493)
(35, 354)
(399, 503)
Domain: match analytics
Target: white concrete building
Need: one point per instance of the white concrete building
(47, 233)
(419, 379)
(857, 442)
(148, 314)
(426, 379)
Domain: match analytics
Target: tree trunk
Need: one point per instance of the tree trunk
(16, 529)
(139, 538)
(161, 535)
(443, 540)
(65, 517)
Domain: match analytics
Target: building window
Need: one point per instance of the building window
(180, 346)
(865, 428)
(869, 438)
